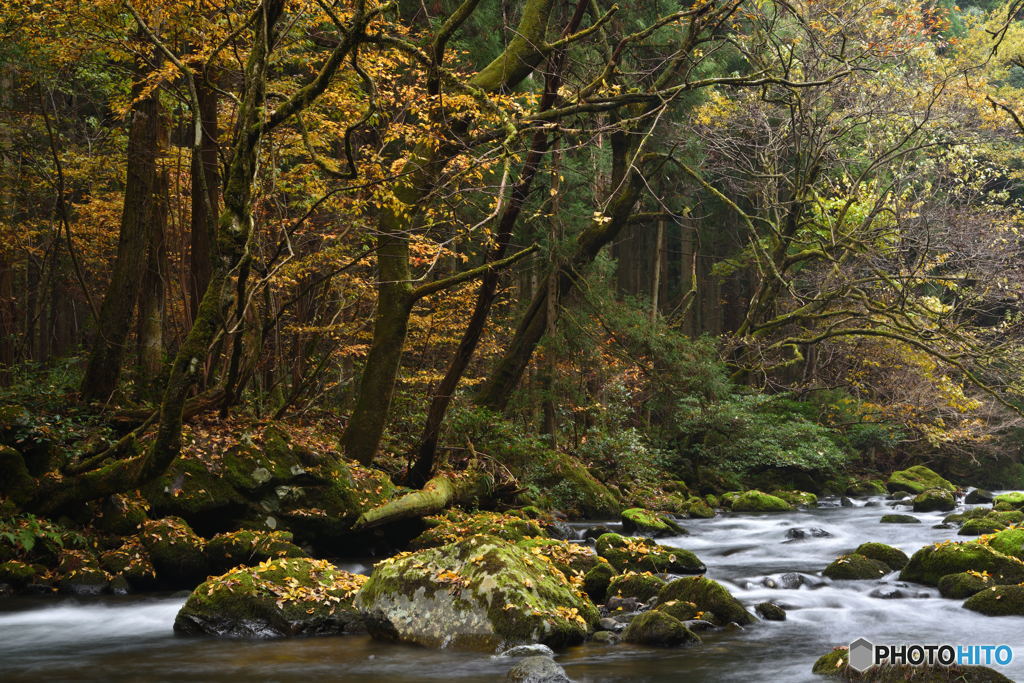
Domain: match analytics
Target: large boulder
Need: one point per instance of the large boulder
(856, 567)
(998, 601)
(981, 525)
(454, 525)
(931, 563)
(709, 597)
(1008, 541)
(917, 479)
(963, 584)
(894, 557)
(979, 497)
(249, 547)
(280, 597)
(658, 629)
(642, 586)
(131, 562)
(647, 523)
(867, 487)
(934, 500)
(80, 573)
(480, 592)
(644, 555)
(797, 498)
(1014, 500)
(758, 501)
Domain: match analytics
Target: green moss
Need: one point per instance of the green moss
(1008, 542)
(831, 663)
(709, 596)
(643, 586)
(998, 601)
(899, 519)
(190, 490)
(963, 584)
(758, 501)
(1014, 500)
(80, 573)
(479, 592)
(699, 508)
(856, 567)
(639, 520)
(17, 573)
(574, 560)
(658, 629)
(597, 580)
(934, 500)
(132, 562)
(248, 547)
(644, 555)
(931, 563)
(867, 487)
(176, 551)
(893, 557)
(682, 610)
(122, 514)
(917, 479)
(972, 513)
(981, 525)
(281, 597)
(455, 525)
(797, 498)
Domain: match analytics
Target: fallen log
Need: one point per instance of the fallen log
(439, 493)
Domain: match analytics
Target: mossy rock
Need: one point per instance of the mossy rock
(1006, 517)
(961, 517)
(699, 508)
(537, 669)
(998, 601)
(797, 498)
(683, 610)
(281, 597)
(122, 514)
(894, 557)
(643, 586)
(132, 562)
(1008, 542)
(899, 519)
(931, 563)
(597, 580)
(80, 573)
(248, 547)
(644, 555)
(190, 490)
(867, 487)
(456, 525)
(917, 479)
(979, 496)
(480, 592)
(856, 567)
(934, 500)
(658, 629)
(963, 584)
(836, 664)
(177, 552)
(981, 525)
(709, 597)
(758, 501)
(574, 560)
(647, 523)
(17, 574)
(1014, 500)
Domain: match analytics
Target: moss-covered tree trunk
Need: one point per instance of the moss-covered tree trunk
(106, 356)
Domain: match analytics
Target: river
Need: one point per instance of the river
(130, 638)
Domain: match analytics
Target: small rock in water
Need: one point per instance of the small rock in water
(609, 624)
(539, 669)
(534, 650)
(979, 496)
(606, 637)
(788, 581)
(944, 525)
(625, 604)
(770, 611)
(596, 532)
(799, 533)
(899, 495)
(698, 625)
(846, 502)
(562, 531)
(873, 504)
(888, 593)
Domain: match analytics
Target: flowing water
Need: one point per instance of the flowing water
(131, 639)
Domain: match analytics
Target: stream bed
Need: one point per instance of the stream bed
(130, 638)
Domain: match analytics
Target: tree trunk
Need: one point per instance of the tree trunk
(114, 324)
(205, 171)
(436, 495)
(150, 334)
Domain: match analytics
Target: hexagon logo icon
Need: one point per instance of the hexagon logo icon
(862, 654)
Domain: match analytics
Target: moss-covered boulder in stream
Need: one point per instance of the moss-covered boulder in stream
(281, 597)
(998, 601)
(931, 563)
(899, 519)
(797, 498)
(981, 525)
(17, 574)
(934, 500)
(80, 573)
(894, 557)
(574, 560)
(480, 592)
(132, 562)
(122, 514)
(642, 586)
(836, 664)
(758, 501)
(856, 567)
(1013, 500)
(683, 610)
(867, 487)
(249, 547)
(917, 479)
(455, 524)
(963, 584)
(648, 523)
(709, 596)
(1008, 541)
(658, 629)
(597, 580)
(644, 555)
(176, 551)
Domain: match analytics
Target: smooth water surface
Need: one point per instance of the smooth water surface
(131, 638)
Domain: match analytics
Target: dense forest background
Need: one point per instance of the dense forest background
(595, 250)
